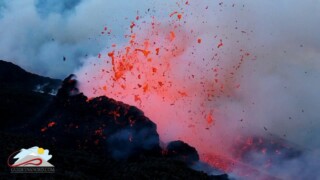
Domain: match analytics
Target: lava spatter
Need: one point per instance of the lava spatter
(173, 72)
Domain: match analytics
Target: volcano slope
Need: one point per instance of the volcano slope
(89, 138)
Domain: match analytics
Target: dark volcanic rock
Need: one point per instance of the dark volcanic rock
(97, 138)
(16, 78)
(81, 164)
(100, 124)
(182, 151)
(23, 95)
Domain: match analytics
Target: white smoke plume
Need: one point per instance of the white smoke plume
(51, 37)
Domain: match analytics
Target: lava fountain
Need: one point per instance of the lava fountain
(167, 67)
(176, 72)
(186, 75)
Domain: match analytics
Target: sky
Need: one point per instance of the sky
(275, 91)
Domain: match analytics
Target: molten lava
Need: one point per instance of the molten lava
(174, 76)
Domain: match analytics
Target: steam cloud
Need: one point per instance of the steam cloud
(39, 34)
(274, 91)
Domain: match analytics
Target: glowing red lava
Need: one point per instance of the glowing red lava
(174, 76)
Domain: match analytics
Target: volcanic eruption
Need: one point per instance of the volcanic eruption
(191, 72)
(235, 80)
(176, 72)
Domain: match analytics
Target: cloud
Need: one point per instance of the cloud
(37, 35)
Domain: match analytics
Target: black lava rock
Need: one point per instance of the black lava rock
(23, 95)
(182, 151)
(100, 124)
(95, 138)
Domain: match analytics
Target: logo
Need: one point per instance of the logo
(32, 160)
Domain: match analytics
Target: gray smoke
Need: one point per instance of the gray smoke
(39, 35)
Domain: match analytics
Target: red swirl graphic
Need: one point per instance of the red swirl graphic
(34, 161)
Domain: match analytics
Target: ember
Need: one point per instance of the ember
(157, 71)
(190, 71)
